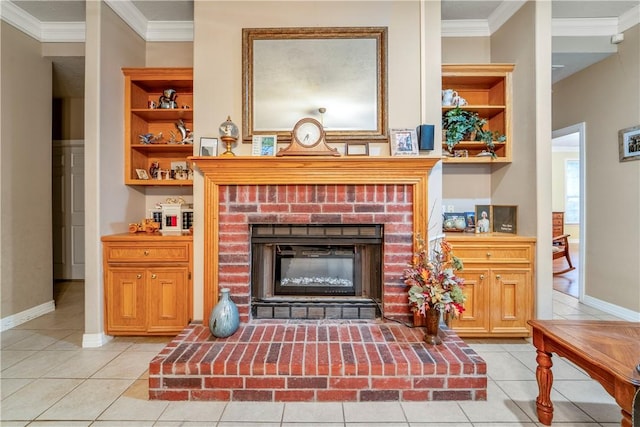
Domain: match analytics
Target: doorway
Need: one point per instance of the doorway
(568, 197)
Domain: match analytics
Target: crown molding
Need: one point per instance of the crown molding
(465, 28)
(571, 27)
(503, 13)
(63, 32)
(129, 14)
(629, 19)
(20, 19)
(170, 31)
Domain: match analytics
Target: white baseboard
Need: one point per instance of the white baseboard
(95, 340)
(614, 310)
(26, 315)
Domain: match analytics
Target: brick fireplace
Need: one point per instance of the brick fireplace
(313, 360)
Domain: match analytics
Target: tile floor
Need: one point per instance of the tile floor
(48, 379)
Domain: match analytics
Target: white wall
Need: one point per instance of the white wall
(26, 260)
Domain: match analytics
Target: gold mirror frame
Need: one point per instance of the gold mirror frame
(290, 58)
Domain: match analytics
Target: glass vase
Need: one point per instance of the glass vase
(224, 319)
(432, 323)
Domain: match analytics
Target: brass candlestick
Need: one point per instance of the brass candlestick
(228, 141)
(229, 135)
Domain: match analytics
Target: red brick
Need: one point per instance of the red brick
(337, 395)
(172, 395)
(467, 382)
(265, 382)
(223, 382)
(428, 382)
(379, 395)
(415, 395)
(345, 383)
(307, 382)
(155, 382)
(211, 395)
(294, 395)
(391, 383)
(181, 383)
(252, 395)
(451, 395)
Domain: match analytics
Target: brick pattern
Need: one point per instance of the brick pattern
(277, 361)
(391, 205)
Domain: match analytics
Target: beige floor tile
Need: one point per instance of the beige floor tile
(41, 339)
(374, 424)
(440, 424)
(38, 364)
(193, 411)
(299, 412)
(60, 424)
(13, 336)
(497, 408)
(70, 342)
(8, 386)
(590, 397)
(253, 412)
(134, 405)
(504, 366)
(14, 423)
(442, 412)
(123, 424)
(87, 401)
(82, 364)
(128, 364)
(9, 358)
(373, 412)
(35, 398)
(245, 424)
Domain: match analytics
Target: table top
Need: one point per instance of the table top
(612, 345)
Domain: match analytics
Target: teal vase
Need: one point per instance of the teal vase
(224, 319)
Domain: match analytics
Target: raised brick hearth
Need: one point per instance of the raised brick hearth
(311, 361)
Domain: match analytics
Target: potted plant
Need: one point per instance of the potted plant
(459, 124)
(434, 287)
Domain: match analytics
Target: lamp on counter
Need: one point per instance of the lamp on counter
(229, 135)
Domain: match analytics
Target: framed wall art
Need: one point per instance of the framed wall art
(483, 218)
(264, 145)
(629, 143)
(505, 219)
(208, 146)
(404, 142)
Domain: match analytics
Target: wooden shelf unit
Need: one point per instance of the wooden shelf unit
(487, 88)
(141, 86)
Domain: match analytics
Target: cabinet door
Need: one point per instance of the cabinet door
(474, 320)
(168, 299)
(510, 301)
(125, 299)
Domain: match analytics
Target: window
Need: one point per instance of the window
(572, 191)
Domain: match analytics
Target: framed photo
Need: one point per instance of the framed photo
(471, 220)
(404, 142)
(357, 149)
(142, 174)
(629, 143)
(264, 145)
(505, 219)
(483, 218)
(208, 146)
(454, 221)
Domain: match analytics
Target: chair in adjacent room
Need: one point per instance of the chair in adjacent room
(561, 250)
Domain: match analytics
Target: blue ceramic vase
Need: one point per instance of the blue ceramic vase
(224, 319)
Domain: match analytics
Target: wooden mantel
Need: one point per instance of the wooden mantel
(219, 171)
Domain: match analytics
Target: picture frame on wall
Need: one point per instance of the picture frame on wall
(264, 145)
(629, 143)
(483, 218)
(208, 146)
(404, 142)
(505, 219)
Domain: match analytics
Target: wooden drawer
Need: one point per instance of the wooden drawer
(507, 253)
(147, 253)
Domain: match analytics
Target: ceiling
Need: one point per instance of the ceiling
(582, 30)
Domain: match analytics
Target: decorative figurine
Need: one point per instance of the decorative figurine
(149, 138)
(228, 134)
(168, 99)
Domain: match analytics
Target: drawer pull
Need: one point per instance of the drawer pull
(153, 276)
(139, 276)
(488, 254)
(146, 252)
(498, 276)
(482, 277)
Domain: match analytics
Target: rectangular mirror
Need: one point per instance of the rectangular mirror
(335, 75)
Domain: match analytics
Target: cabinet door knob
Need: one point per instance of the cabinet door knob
(482, 277)
(488, 254)
(146, 252)
(153, 276)
(139, 276)
(498, 276)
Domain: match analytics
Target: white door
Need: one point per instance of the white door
(68, 210)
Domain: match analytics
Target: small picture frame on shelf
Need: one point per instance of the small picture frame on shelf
(471, 220)
(454, 221)
(483, 218)
(629, 143)
(264, 145)
(142, 174)
(505, 219)
(404, 142)
(208, 146)
(356, 149)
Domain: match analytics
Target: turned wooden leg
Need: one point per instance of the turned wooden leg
(545, 381)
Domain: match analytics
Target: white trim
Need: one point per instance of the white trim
(466, 28)
(130, 14)
(612, 309)
(62, 32)
(169, 31)
(567, 27)
(26, 315)
(629, 19)
(20, 19)
(95, 340)
(503, 13)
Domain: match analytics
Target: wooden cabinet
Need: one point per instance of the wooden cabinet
(142, 90)
(487, 89)
(147, 284)
(557, 223)
(499, 276)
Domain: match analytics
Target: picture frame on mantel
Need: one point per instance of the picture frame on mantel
(404, 142)
(264, 145)
(208, 146)
(505, 219)
(629, 143)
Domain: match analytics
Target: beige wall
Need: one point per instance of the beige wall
(605, 97)
(169, 54)
(466, 50)
(25, 156)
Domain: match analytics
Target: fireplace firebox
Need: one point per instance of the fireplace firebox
(316, 271)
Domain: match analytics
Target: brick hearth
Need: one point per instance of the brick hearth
(316, 361)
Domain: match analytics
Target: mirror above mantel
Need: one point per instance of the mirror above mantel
(337, 75)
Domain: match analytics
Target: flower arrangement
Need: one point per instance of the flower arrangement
(432, 279)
